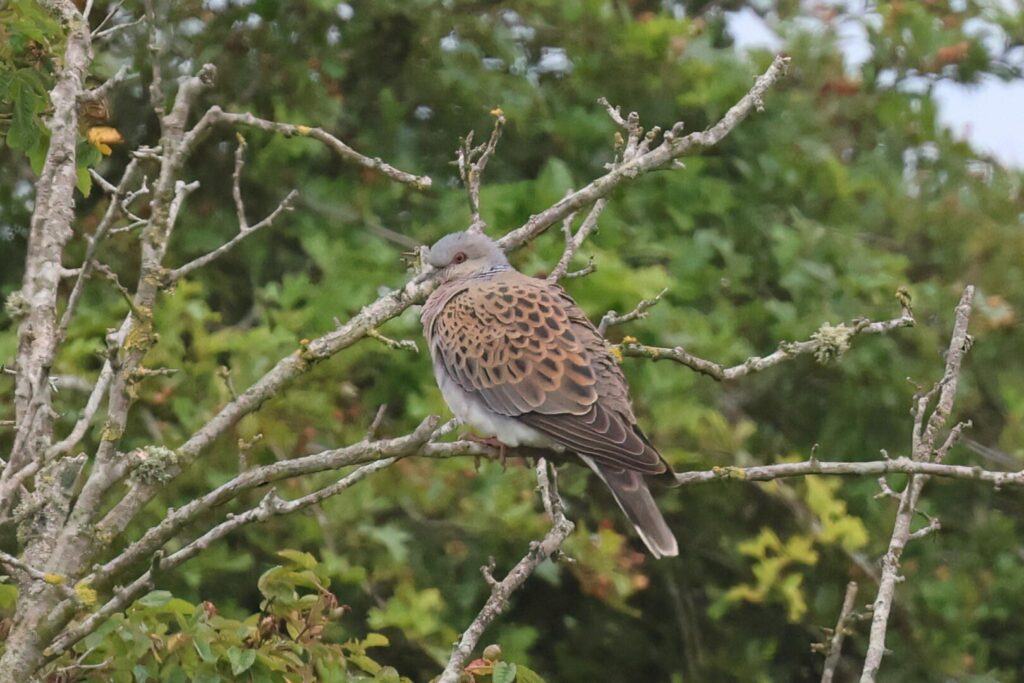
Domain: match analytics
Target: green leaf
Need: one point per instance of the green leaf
(142, 672)
(375, 640)
(154, 599)
(25, 126)
(175, 675)
(240, 659)
(203, 648)
(525, 674)
(37, 153)
(303, 559)
(504, 672)
(365, 663)
(83, 181)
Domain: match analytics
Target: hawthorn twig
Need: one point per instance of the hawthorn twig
(923, 453)
(835, 647)
(502, 590)
(611, 318)
(471, 162)
(786, 350)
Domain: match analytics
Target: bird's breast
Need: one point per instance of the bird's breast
(475, 413)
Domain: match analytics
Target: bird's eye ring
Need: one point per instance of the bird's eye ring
(459, 258)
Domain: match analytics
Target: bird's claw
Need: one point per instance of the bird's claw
(493, 442)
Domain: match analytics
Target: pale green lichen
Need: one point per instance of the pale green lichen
(154, 464)
(17, 305)
(831, 342)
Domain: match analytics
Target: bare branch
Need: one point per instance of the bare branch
(216, 116)
(827, 343)
(659, 157)
(244, 229)
(111, 31)
(611, 318)
(362, 452)
(502, 590)
(574, 242)
(156, 56)
(49, 232)
(100, 92)
(835, 647)
(933, 526)
(586, 270)
(924, 452)
(867, 468)
(270, 506)
(471, 162)
(16, 565)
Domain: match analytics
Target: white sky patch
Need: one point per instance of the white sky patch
(989, 115)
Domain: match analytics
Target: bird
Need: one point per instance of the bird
(515, 357)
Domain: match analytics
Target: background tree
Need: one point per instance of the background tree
(817, 210)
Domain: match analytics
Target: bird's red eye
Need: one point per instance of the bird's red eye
(459, 258)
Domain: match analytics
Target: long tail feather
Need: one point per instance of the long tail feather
(631, 493)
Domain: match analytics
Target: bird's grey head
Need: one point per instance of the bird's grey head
(464, 254)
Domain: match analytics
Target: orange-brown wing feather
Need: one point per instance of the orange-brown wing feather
(526, 350)
(509, 341)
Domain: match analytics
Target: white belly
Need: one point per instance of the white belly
(473, 412)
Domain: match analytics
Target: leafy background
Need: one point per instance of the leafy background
(815, 211)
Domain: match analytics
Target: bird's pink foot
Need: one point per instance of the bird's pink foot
(493, 442)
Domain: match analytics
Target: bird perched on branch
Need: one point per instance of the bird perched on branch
(514, 356)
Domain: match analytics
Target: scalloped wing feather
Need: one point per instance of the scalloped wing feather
(524, 347)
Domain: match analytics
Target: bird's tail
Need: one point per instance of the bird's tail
(632, 495)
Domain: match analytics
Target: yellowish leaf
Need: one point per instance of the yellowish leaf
(101, 137)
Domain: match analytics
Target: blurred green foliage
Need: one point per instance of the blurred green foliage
(814, 211)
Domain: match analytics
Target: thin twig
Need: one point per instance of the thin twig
(574, 242)
(471, 162)
(397, 344)
(244, 229)
(502, 590)
(818, 345)
(216, 116)
(611, 318)
(923, 440)
(835, 647)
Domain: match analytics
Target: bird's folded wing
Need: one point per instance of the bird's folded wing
(514, 342)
